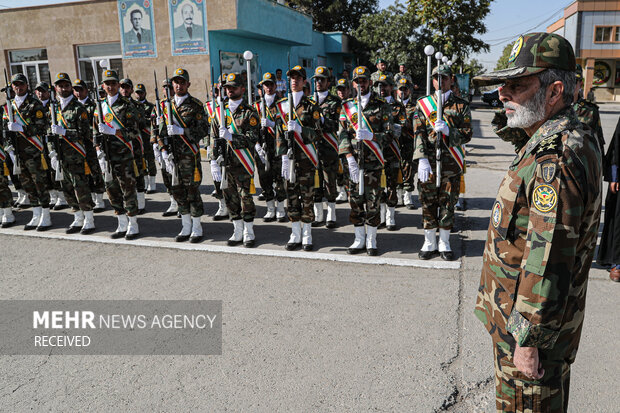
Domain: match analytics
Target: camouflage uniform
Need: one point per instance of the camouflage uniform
(150, 116)
(588, 114)
(140, 141)
(407, 164)
(271, 181)
(6, 197)
(393, 156)
(53, 184)
(95, 179)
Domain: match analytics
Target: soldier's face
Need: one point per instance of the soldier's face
(234, 92)
(180, 86)
(269, 88)
(524, 101)
(110, 87)
(126, 90)
(446, 83)
(297, 82)
(401, 68)
(321, 84)
(381, 66)
(41, 94)
(343, 93)
(80, 92)
(140, 94)
(403, 93)
(364, 84)
(19, 88)
(385, 90)
(64, 89)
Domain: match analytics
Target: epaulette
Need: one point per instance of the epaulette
(380, 99)
(551, 145)
(125, 99)
(196, 101)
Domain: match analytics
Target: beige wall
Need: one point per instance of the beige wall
(60, 28)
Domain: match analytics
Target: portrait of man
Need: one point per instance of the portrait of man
(189, 29)
(137, 34)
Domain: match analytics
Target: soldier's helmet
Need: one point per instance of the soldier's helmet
(109, 75)
(382, 80)
(19, 77)
(532, 53)
(180, 73)
(62, 77)
(361, 72)
(443, 70)
(267, 77)
(404, 83)
(321, 72)
(342, 83)
(44, 86)
(297, 69)
(234, 80)
(126, 81)
(140, 88)
(78, 83)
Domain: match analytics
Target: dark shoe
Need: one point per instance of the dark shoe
(354, 251)
(381, 225)
(130, 237)
(87, 231)
(98, 210)
(7, 224)
(249, 244)
(169, 214)
(178, 214)
(41, 229)
(150, 191)
(117, 235)
(272, 219)
(446, 255)
(372, 252)
(391, 227)
(283, 219)
(307, 247)
(181, 238)
(60, 207)
(29, 227)
(142, 211)
(214, 193)
(614, 274)
(427, 255)
(411, 207)
(73, 230)
(292, 246)
(261, 197)
(196, 239)
(233, 243)
(317, 224)
(331, 224)
(23, 206)
(220, 217)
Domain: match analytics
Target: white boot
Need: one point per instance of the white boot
(294, 241)
(93, 196)
(331, 215)
(270, 216)
(280, 212)
(34, 221)
(429, 248)
(359, 244)
(172, 209)
(306, 239)
(132, 230)
(25, 200)
(121, 230)
(8, 219)
(248, 234)
(20, 196)
(89, 223)
(237, 236)
(408, 199)
(141, 203)
(196, 235)
(399, 196)
(342, 195)
(99, 204)
(382, 208)
(186, 229)
(371, 240)
(46, 220)
(445, 252)
(151, 186)
(318, 214)
(53, 197)
(78, 222)
(390, 219)
(61, 202)
(222, 211)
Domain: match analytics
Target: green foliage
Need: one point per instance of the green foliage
(502, 62)
(335, 15)
(474, 68)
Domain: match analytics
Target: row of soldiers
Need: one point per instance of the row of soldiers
(371, 143)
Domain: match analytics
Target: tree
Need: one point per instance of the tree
(502, 62)
(335, 15)
(474, 68)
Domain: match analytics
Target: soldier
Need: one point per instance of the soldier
(295, 143)
(67, 152)
(455, 130)
(28, 128)
(238, 136)
(372, 137)
(343, 90)
(393, 158)
(95, 179)
(149, 155)
(275, 197)
(587, 112)
(179, 140)
(115, 153)
(381, 70)
(402, 74)
(22, 201)
(543, 230)
(7, 218)
(173, 208)
(140, 139)
(408, 165)
(327, 145)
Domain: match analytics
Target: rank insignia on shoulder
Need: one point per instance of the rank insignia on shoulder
(545, 198)
(548, 171)
(39, 114)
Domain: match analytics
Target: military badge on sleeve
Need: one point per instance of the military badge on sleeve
(496, 214)
(545, 198)
(548, 171)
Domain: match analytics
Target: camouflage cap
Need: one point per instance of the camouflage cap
(402, 63)
(578, 72)
(381, 60)
(140, 88)
(321, 72)
(343, 83)
(383, 80)
(404, 83)
(126, 81)
(61, 77)
(267, 77)
(109, 75)
(77, 83)
(182, 73)
(164, 83)
(532, 53)
(42, 85)
(19, 77)
(234, 80)
(297, 69)
(443, 70)
(361, 72)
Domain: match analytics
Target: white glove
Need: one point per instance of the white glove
(216, 171)
(424, 170)
(175, 130)
(157, 153)
(225, 134)
(166, 155)
(293, 126)
(58, 130)
(442, 127)
(267, 123)
(13, 158)
(103, 165)
(170, 165)
(363, 135)
(285, 166)
(54, 162)
(106, 130)
(8, 148)
(354, 170)
(53, 154)
(397, 130)
(15, 127)
(260, 152)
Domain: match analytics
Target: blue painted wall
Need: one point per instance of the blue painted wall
(274, 21)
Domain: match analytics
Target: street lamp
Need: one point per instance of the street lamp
(248, 55)
(428, 50)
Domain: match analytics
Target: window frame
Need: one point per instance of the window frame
(93, 61)
(611, 38)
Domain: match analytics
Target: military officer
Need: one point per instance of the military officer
(381, 65)
(587, 112)
(149, 155)
(70, 133)
(238, 138)
(455, 130)
(28, 127)
(408, 165)
(116, 129)
(363, 143)
(180, 138)
(327, 146)
(296, 145)
(402, 74)
(173, 208)
(543, 230)
(343, 90)
(7, 219)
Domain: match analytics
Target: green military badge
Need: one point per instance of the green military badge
(545, 198)
(516, 49)
(548, 171)
(496, 214)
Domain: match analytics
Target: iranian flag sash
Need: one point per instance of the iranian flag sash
(176, 118)
(36, 141)
(350, 113)
(244, 155)
(75, 145)
(257, 106)
(110, 119)
(308, 149)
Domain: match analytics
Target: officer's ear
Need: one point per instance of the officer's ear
(556, 89)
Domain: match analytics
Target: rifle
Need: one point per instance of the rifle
(52, 138)
(289, 135)
(360, 143)
(439, 137)
(9, 115)
(222, 158)
(157, 100)
(263, 130)
(100, 138)
(168, 105)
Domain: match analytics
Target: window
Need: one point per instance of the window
(602, 34)
(91, 56)
(32, 63)
(617, 37)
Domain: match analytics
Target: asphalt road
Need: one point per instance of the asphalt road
(302, 333)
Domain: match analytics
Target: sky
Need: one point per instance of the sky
(506, 21)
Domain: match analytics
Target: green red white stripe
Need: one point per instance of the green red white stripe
(308, 149)
(244, 155)
(36, 140)
(75, 145)
(350, 112)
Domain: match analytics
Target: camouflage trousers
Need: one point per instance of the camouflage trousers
(6, 197)
(75, 185)
(271, 181)
(95, 179)
(389, 195)
(166, 178)
(409, 168)
(34, 179)
(141, 164)
(516, 393)
(328, 176)
(237, 196)
(365, 209)
(122, 189)
(149, 157)
(442, 199)
(187, 192)
(300, 195)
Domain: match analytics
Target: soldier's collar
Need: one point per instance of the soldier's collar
(563, 120)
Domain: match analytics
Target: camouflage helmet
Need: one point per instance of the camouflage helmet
(404, 83)
(321, 72)
(62, 77)
(343, 83)
(383, 80)
(532, 53)
(443, 70)
(297, 69)
(180, 73)
(234, 80)
(267, 77)
(361, 72)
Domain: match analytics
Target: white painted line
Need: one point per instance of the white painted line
(356, 259)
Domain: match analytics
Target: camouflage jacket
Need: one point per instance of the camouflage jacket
(309, 116)
(191, 117)
(34, 114)
(74, 118)
(330, 112)
(399, 76)
(378, 113)
(458, 117)
(541, 238)
(516, 136)
(151, 121)
(399, 116)
(127, 114)
(407, 134)
(588, 114)
(268, 135)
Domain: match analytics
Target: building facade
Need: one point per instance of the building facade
(593, 28)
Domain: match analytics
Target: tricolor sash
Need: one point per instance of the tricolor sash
(2, 154)
(179, 121)
(331, 139)
(429, 106)
(244, 155)
(36, 140)
(257, 105)
(110, 119)
(350, 114)
(396, 150)
(75, 145)
(308, 149)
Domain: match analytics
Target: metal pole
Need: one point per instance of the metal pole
(428, 50)
(247, 55)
